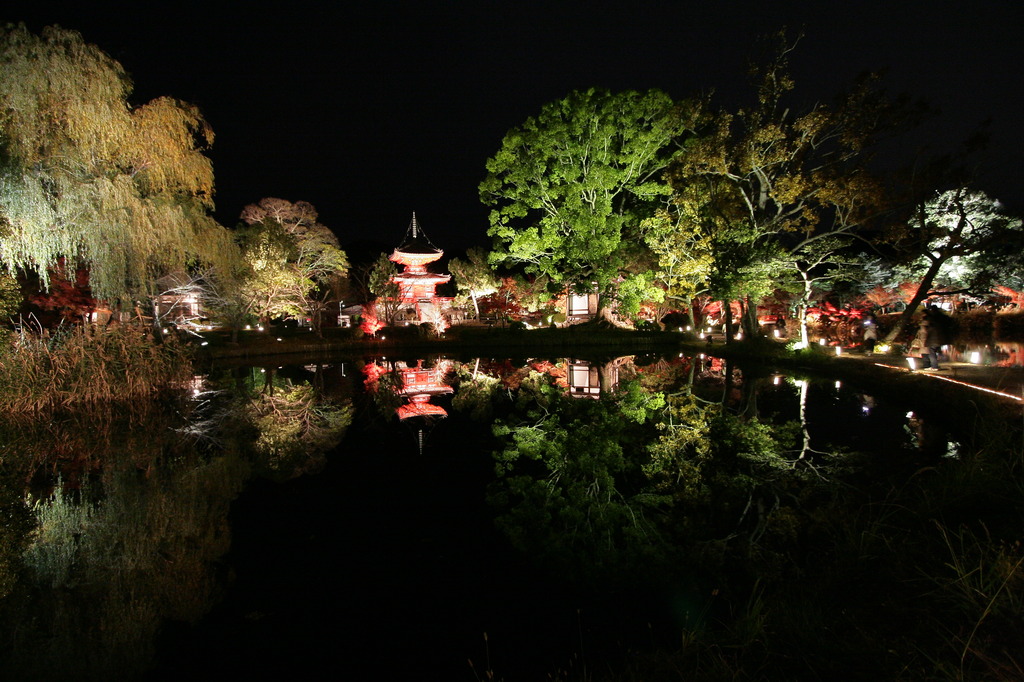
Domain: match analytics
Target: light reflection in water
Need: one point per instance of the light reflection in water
(170, 508)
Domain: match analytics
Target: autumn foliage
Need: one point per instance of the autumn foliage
(882, 297)
(371, 324)
(70, 298)
(1011, 296)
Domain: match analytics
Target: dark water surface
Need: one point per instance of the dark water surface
(385, 562)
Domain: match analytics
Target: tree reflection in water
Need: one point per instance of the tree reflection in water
(125, 521)
(767, 518)
(619, 488)
(739, 485)
(294, 425)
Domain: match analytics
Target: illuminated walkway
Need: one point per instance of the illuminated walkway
(1006, 382)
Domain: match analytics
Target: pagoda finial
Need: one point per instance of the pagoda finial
(416, 241)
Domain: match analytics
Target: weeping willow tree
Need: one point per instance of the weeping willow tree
(124, 190)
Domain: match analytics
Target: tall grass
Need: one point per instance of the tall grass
(984, 586)
(72, 368)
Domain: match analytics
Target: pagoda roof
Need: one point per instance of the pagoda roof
(416, 241)
(423, 277)
(421, 410)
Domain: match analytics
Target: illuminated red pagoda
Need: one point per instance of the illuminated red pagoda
(416, 284)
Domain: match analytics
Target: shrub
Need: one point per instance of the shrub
(975, 324)
(1008, 325)
(408, 332)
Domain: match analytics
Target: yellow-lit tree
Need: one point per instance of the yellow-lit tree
(473, 276)
(293, 263)
(772, 192)
(124, 190)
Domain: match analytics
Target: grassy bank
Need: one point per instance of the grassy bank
(71, 368)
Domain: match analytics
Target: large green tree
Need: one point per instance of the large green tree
(84, 175)
(569, 186)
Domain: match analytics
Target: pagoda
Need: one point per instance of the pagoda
(416, 284)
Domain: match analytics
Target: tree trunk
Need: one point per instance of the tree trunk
(608, 376)
(729, 383)
(805, 446)
(604, 312)
(747, 406)
(749, 319)
(728, 326)
(920, 295)
(804, 336)
(802, 308)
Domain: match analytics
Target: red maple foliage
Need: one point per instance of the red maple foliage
(373, 373)
(830, 312)
(907, 291)
(1010, 296)
(881, 297)
(72, 300)
(371, 324)
(503, 303)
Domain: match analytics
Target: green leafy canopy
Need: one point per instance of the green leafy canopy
(567, 185)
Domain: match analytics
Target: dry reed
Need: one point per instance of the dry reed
(73, 368)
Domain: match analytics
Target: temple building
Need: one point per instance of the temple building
(417, 285)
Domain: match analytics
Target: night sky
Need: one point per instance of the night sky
(375, 112)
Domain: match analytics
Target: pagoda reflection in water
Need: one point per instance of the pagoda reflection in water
(420, 384)
(414, 386)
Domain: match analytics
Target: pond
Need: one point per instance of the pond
(431, 518)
